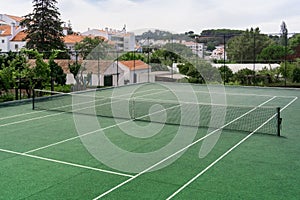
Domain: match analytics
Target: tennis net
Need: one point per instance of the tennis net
(239, 118)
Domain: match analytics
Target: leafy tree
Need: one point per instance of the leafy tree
(163, 35)
(215, 37)
(199, 72)
(191, 71)
(74, 69)
(272, 53)
(6, 79)
(294, 41)
(171, 53)
(6, 58)
(44, 27)
(208, 72)
(132, 56)
(177, 52)
(11, 65)
(57, 74)
(226, 73)
(210, 46)
(157, 56)
(294, 47)
(92, 48)
(245, 76)
(246, 47)
(266, 76)
(275, 38)
(296, 71)
(286, 70)
(296, 75)
(40, 74)
(15, 73)
(21, 75)
(164, 57)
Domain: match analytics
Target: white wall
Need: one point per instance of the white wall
(124, 76)
(258, 66)
(4, 46)
(21, 44)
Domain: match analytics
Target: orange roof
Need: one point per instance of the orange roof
(72, 39)
(137, 64)
(90, 66)
(20, 36)
(5, 29)
(16, 18)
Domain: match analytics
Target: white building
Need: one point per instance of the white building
(123, 40)
(218, 53)
(12, 36)
(109, 73)
(11, 33)
(197, 48)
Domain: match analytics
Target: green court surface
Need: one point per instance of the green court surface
(153, 141)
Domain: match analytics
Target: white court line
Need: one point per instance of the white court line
(60, 113)
(226, 153)
(179, 151)
(23, 114)
(34, 112)
(66, 163)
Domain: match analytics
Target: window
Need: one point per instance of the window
(3, 41)
(16, 46)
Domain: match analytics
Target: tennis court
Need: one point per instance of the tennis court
(152, 141)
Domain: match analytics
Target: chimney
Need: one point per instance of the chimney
(12, 29)
(65, 29)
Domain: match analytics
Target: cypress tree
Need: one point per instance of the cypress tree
(44, 27)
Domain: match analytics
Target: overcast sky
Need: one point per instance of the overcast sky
(176, 16)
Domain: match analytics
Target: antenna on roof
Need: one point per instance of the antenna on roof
(124, 28)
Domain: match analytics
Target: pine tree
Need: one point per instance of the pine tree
(284, 34)
(44, 27)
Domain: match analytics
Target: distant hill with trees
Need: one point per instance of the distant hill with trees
(163, 35)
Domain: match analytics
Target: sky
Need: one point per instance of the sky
(177, 16)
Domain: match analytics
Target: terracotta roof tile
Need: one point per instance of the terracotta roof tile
(20, 36)
(72, 39)
(137, 64)
(5, 29)
(16, 18)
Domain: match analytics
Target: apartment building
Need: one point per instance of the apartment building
(123, 40)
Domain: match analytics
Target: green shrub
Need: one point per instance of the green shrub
(7, 97)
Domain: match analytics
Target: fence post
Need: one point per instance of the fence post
(33, 98)
(279, 121)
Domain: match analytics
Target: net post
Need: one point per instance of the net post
(133, 109)
(279, 120)
(33, 99)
